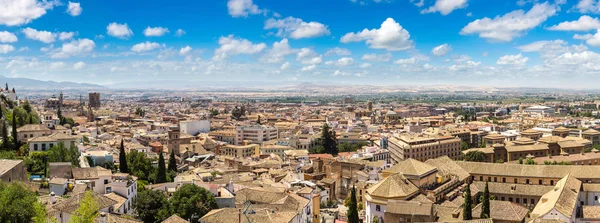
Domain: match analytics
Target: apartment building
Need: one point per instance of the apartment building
(423, 147)
(240, 151)
(255, 134)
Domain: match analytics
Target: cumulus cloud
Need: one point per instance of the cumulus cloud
(42, 36)
(411, 60)
(366, 65)
(278, 52)
(377, 57)
(308, 68)
(155, 31)
(179, 32)
(309, 56)
(342, 62)
(145, 46)
(121, 31)
(6, 48)
(518, 59)
(243, 8)
(8, 37)
(285, 66)
(79, 65)
(592, 40)
(390, 36)
(587, 6)
(510, 25)
(20, 12)
(66, 36)
(57, 65)
(231, 45)
(185, 50)
(338, 52)
(74, 8)
(295, 28)
(584, 23)
(441, 50)
(75, 48)
(445, 7)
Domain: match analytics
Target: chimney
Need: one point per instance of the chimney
(52, 197)
(102, 217)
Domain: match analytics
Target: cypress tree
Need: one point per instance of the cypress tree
(161, 176)
(328, 140)
(485, 204)
(467, 204)
(14, 132)
(123, 159)
(4, 136)
(352, 213)
(172, 161)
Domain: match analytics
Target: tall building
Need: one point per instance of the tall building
(94, 100)
(255, 134)
(423, 147)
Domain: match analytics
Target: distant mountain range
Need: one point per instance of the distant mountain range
(33, 84)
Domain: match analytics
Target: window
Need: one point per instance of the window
(489, 178)
(524, 200)
(43, 147)
(503, 180)
(517, 200)
(516, 180)
(541, 182)
(527, 181)
(495, 179)
(510, 199)
(378, 208)
(35, 147)
(595, 197)
(105, 181)
(480, 178)
(552, 182)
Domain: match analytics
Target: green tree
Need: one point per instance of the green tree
(5, 142)
(483, 144)
(161, 175)
(123, 159)
(172, 162)
(61, 119)
(150, 204)
(328, 140)
(530, 161)
(375, 219)
(467, 203)
(87, 210)
(475, 156)
(520, 160)
(258, 120)
(464, 146)
(352, 213)
(18, 203)
(485, 203)
(138, 165)
(191, 200)
(14, 133)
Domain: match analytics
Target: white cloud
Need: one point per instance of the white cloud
(518, 59)
(510, 25)
(441, 50)
(79, 65)
(57, 65)
(377, 57)
(341, 73)
(308, 68)
(23, 49)
(550, 49)
(75, 48)
(584, 23)
(185, 50)
(5, 48)
(243, 8)
(295, 28)
(74, 8)
(445, 7)
(42, 36)
(309, 56)
(8, 37)
(145, 46)
(411, 60)
(583, 37)
(179, 32)
(338, 51)
(285, 66)
(390, 36)
(66, 36)
(592, 40)
(278, 52)
(20, 12)
(155, 31)
(588, 6)
(342, 62)
(366, 65)
(231, 45)
(119, 30)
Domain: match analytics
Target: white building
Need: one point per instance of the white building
(255, 133)
(542, 110)
(194, 127)
(45, 143)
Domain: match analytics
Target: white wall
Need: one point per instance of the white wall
(194, 127)
(372, 211)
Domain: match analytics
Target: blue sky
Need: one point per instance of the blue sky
(385, 42)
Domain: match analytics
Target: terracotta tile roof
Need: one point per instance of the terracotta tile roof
(409, 208)
(263, 215)
(32, 128)
(591, 212)
(562, 198)
(503, 211)
(542, 171)
(175, 219)
(70, 205)
(411, 167)
(514, 189)
(394, 186)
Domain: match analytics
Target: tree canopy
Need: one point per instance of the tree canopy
(87, 210)
(19, 204)
(328, 141)
(192, 201)
(151, 206)
(475, 156)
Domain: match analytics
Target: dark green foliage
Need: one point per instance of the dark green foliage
(350, 147)
(18, 203)
(139, 166)
(14, 133)
(475, 156)
(485, 203)
(172, 161)
(352, 213)
(161, 175)
(464, 145)
(467, 215)
(151, 206)
(123, 159)
(328, 141)
(191, 200)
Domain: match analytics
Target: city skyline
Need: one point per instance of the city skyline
(377, 42)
